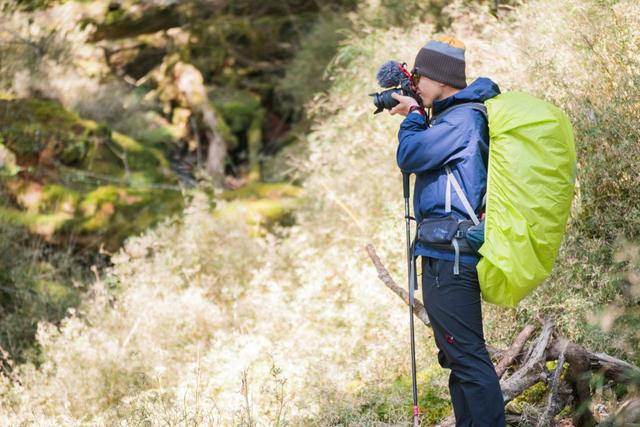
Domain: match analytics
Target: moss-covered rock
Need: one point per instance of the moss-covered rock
(261, 203)
(78, 179)
(34, 128)
(266, 190)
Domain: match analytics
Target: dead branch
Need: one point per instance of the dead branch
(531, 370)
(510, 355)
(418, 308)
(547, 419)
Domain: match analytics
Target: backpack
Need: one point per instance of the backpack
(530, 186)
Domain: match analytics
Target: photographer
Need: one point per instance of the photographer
(451, 150)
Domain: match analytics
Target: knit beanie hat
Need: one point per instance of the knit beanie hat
(442, 60)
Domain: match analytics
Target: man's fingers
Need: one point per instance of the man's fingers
(395, 95)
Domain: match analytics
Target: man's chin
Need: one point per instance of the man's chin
(426, 103)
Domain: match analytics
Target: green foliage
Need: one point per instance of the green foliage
(242, 114)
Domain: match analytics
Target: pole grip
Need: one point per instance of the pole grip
(405, 184)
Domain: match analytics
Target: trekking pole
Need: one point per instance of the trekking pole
(412, 286)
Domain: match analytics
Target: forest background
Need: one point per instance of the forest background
(186, 189)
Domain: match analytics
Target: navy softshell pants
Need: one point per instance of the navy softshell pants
(453, 304)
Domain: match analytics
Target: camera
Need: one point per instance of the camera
(391, 75)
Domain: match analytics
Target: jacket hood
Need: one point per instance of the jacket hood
(479, 91)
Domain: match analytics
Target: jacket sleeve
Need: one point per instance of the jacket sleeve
(421, 148)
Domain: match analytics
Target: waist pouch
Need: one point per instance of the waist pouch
(439, 233)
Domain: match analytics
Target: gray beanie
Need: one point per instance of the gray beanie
(442, 60)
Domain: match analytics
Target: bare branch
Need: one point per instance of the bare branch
(530, 372)
(547, 419)
(510, 355)
(383, 274)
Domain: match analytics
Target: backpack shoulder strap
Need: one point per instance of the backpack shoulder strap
(451, 180)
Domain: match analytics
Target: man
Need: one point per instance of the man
(456, 141)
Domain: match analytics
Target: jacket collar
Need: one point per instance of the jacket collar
(479, 91)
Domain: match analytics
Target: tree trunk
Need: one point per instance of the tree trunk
(190, 84)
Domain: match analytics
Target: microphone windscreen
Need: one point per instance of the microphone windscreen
(389, 74)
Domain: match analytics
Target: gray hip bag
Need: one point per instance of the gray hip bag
(445, 233)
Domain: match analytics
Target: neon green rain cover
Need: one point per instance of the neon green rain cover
(529, 191)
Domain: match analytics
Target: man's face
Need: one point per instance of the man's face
(429, 90)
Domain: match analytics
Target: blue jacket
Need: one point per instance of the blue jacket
(460, 139)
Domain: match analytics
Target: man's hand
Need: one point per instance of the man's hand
(405, 102)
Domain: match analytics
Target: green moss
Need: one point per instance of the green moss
(149, 160)
(26, 125)
(115, 16)
(109, 214)
(8, 163)
(46, 224)
(54, 292)
(262, 211)
(238, 109)
(386, 401)
(261, 203)
(533, 395)
(57, 198)
(263, 190)
(225, 131)
(74, 152)
(154, 131)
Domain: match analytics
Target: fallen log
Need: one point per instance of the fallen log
(612, 368)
